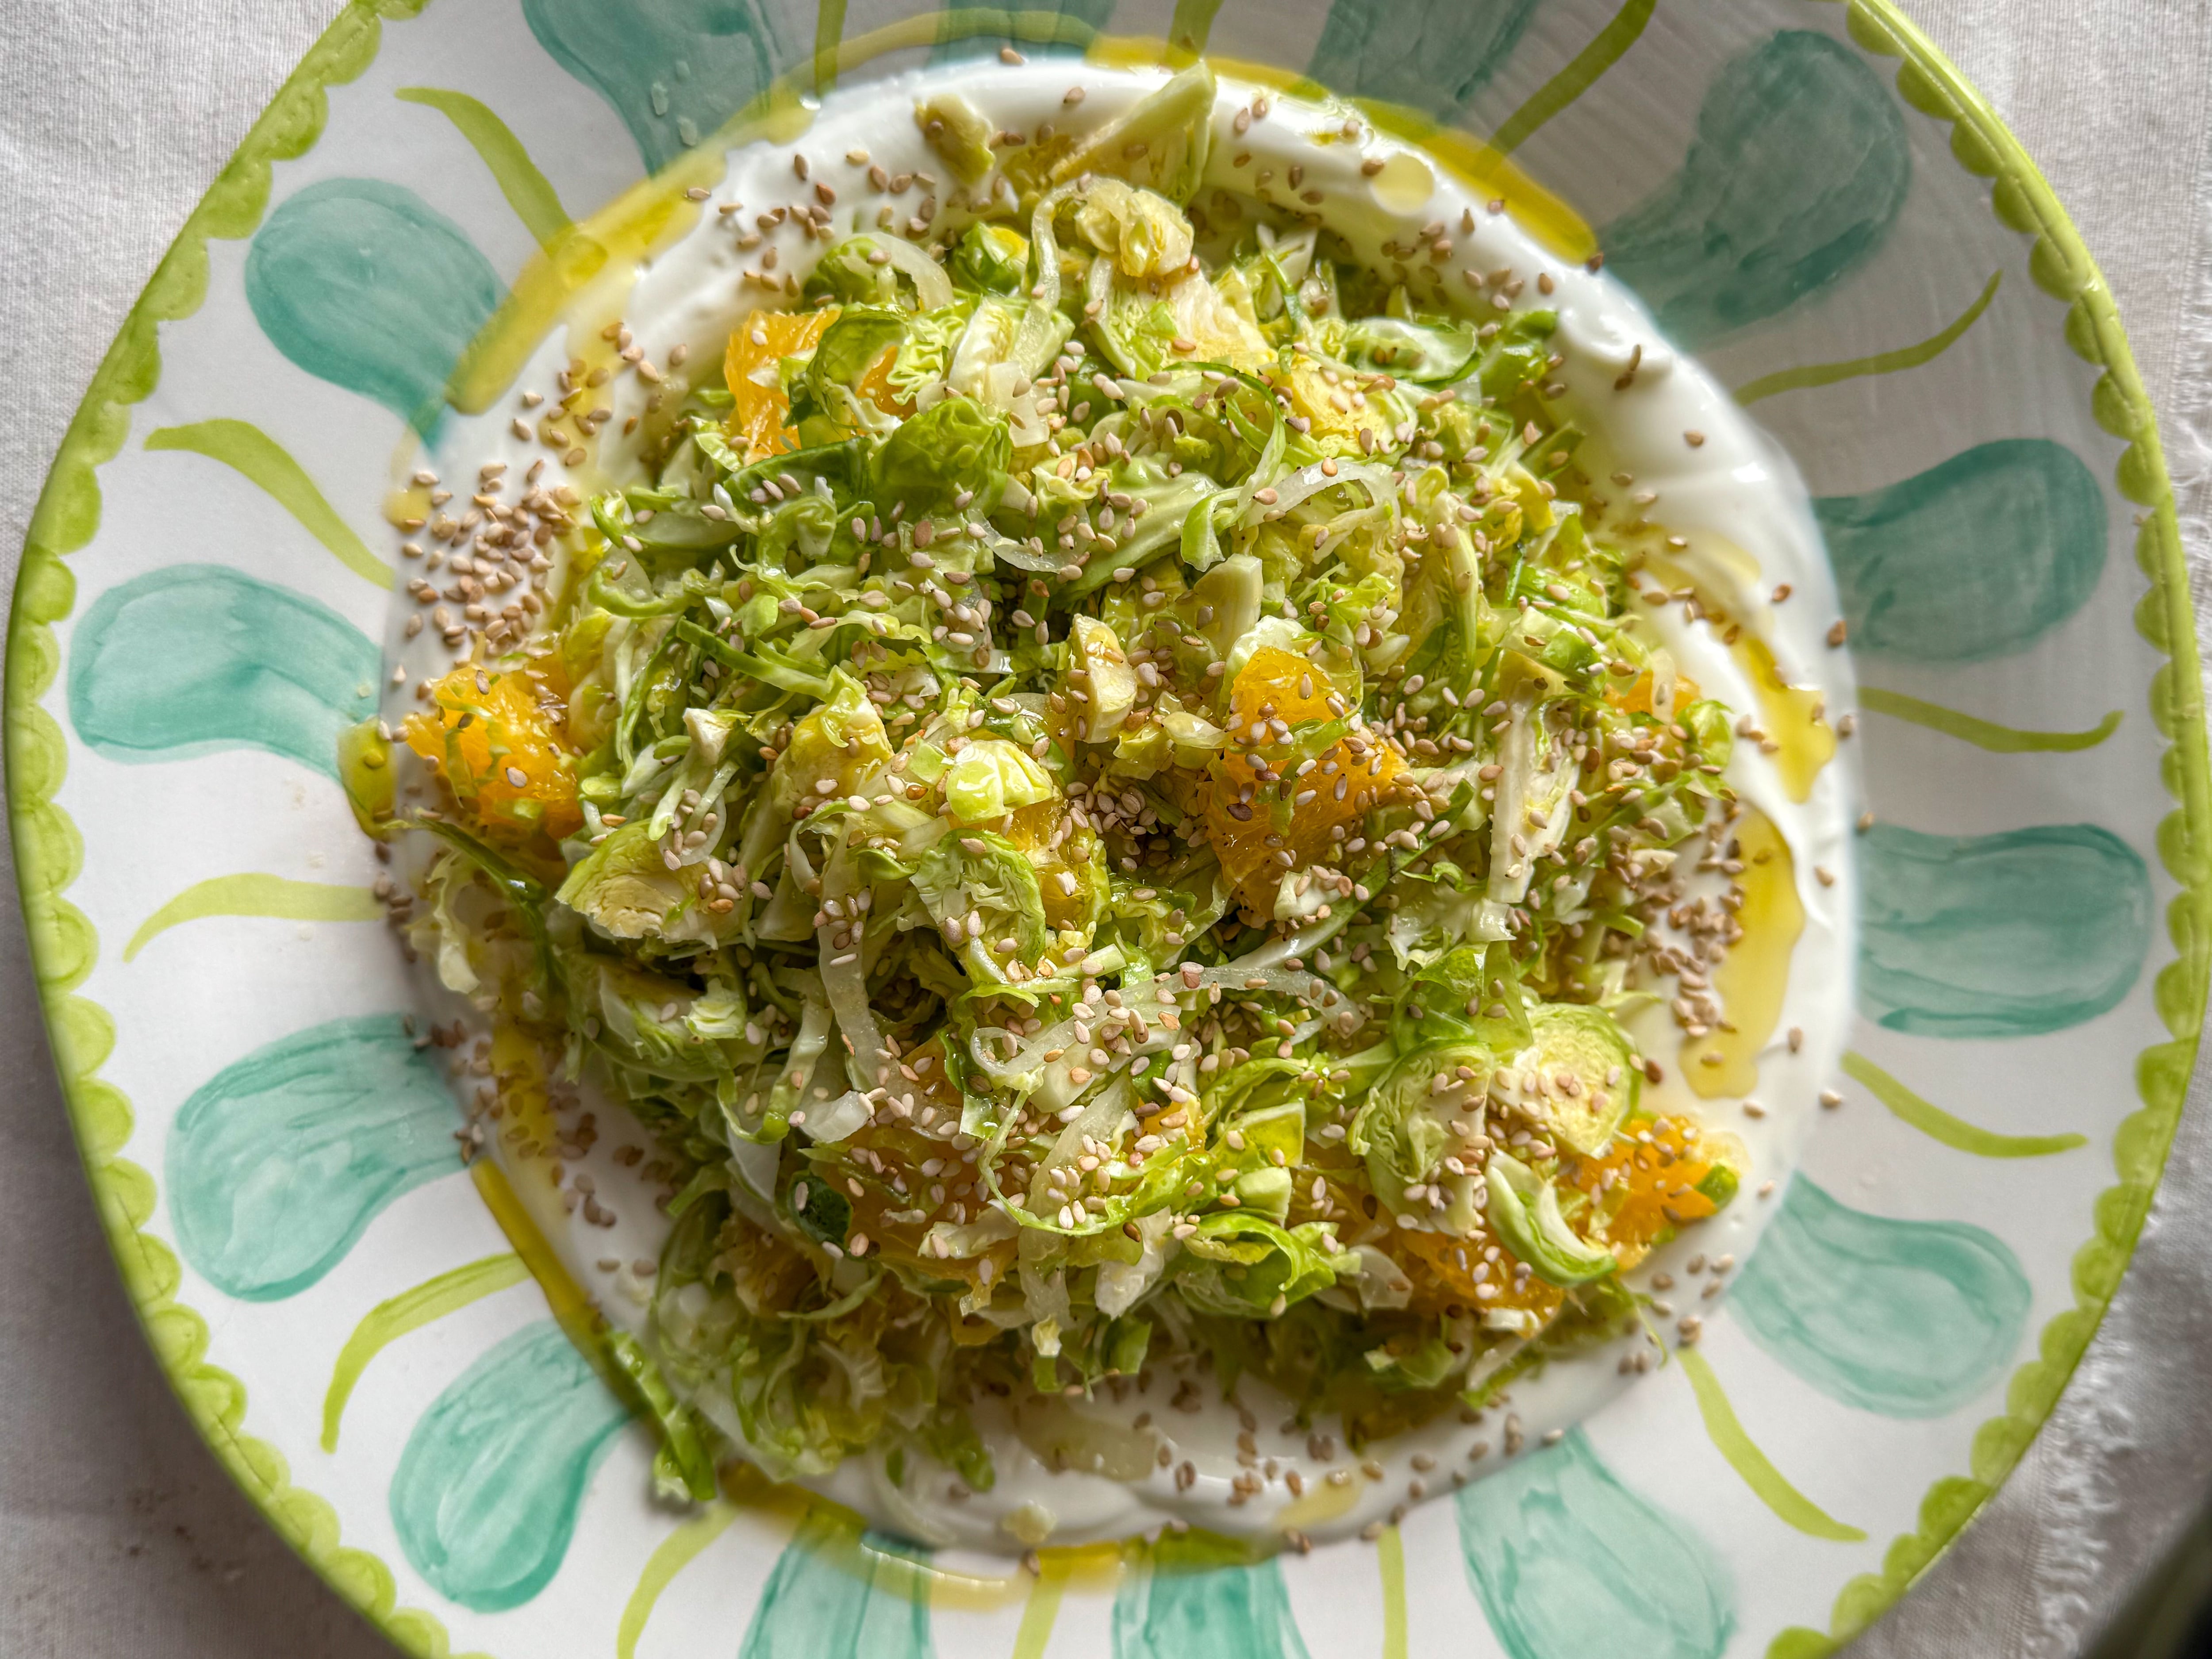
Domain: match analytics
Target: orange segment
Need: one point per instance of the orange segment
(487, 731)
(1442, 1268)
(900, 1148)
(1649, 1192)
(1032, 828)
(752, 367)
(1642, 1194)
(876, 386)
(1637, 699)
(1279, 686)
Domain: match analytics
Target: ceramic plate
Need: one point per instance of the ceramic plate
(373, 1339)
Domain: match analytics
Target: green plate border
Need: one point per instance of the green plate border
(49, 851)
(2061, 264)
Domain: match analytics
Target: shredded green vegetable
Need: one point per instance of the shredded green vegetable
(1100, 808)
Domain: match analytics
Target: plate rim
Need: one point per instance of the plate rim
(63, 945)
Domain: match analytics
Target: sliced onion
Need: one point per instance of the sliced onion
(1034, 340)
(1023, 558)
(932, 287)
(1261, 969)
(845, 984)
(1296, 486)
(835, 1120)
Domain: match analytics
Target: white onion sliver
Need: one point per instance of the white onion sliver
(835, 1120)
(1293, 488)
(932, 287)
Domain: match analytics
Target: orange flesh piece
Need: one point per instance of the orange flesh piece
(876, 385)
(752, 370)
(1658, 1197)
(1030, 829)
(1637, 699)
(1434, 1262)
(903, 1148)
(1660, 1192)
(1287, 687)
(482, 739)
(754, 373)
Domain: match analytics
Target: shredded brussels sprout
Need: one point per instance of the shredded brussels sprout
(1102, 802)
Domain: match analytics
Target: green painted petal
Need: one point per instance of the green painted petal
(1977, 557)
(364, 284)
(828, 32)
(1429, 55)
(263, 462)
(1882, 362)
(838, 1590)
(1191, 27)
(485, 1497)
(676, 1552)
(1606, 49)
(411, 1310)
(1907, 1319)
(1798, 168)
(1390, 1556)
(1196, 1593)
(1984, 734)
(193, 658)
(278, 1163)
(1767, 1482)
(1998, 936)
(1078, 22)
(528, 191)
(258, 896)
(1569, 1562)
(674, 70)
(1041, 1610)
(1937, 1124)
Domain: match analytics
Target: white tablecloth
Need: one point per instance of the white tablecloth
(120, 1535)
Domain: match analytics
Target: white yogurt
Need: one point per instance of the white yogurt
(1734, 490)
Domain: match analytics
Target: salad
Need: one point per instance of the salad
(1104, 803)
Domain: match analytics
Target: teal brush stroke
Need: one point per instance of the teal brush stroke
(1907, 1319)
(836, 1590)
(1090, 16)
(1798, 168)
(1977, 557)
(193, 658)
(674, 70)
(1430, 55)
(2008, 935)
(277, 1163)
(485, 1497)
(1196, 1595)
(364, 284)
(1570, 1564)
